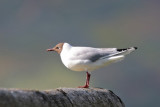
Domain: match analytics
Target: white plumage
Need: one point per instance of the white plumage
(88, 58)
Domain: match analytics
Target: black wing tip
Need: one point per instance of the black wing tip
(127, 49)
(135, 48)
(121, 49)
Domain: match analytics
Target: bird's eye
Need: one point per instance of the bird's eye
(57, 48)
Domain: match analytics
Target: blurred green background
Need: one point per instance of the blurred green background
(29, 27)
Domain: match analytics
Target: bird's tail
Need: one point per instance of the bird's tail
(124, 51)
(127, 49)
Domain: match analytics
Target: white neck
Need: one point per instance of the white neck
(66, 47)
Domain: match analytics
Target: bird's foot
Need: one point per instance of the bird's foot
(87, 81)
(85, 86)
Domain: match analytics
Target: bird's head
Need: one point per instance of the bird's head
(58, 48)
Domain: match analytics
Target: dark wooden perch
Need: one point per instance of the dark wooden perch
(61, 97)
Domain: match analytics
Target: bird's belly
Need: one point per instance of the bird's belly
(79, 68)
(85, 65)
(84, 68)
(88, 67)
(78, 65)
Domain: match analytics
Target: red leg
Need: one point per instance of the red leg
(87, 81)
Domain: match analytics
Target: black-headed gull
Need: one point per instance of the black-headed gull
(87, 59)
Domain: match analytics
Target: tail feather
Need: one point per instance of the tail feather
(131, 48)
(124, 51)
(120, 53)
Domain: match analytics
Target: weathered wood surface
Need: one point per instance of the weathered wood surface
(61, 97)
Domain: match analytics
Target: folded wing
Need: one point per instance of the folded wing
(94, 54)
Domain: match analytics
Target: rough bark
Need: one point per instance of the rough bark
(61, 97)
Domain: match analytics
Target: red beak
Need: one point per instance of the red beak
(50, 49)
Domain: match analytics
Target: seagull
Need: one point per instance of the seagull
(78, 58)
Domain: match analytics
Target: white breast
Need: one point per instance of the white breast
(70, 61)
(74, 62)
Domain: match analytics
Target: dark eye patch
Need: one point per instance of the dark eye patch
(57, 48)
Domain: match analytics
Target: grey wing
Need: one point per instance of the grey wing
(118, 52)
(103, 53)
(95, 57)
(93, 54)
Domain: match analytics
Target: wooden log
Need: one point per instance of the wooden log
(61, 97)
